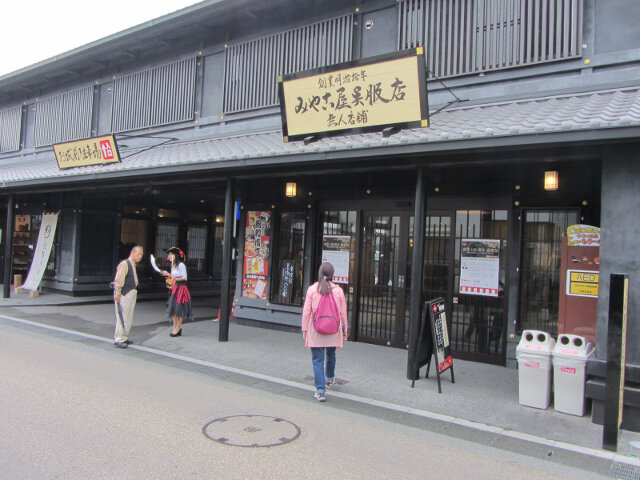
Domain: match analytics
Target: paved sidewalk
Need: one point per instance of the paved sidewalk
(484, 398)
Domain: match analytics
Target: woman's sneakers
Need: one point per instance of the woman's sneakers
(319, 397)
(330, 383)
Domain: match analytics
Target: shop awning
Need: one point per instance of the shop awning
(612, 114)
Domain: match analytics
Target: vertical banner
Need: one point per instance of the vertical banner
(257, 237)
(480, 267)
(43, 250)
(336, 249)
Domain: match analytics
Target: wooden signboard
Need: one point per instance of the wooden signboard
(359, 96)
(433, 341)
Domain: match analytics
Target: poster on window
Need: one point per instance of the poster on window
(336, 249)
(43, 250)
(257, 237)
(480, 267)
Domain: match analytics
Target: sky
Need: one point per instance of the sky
(35, 30)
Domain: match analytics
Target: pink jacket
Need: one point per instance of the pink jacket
(311, 301)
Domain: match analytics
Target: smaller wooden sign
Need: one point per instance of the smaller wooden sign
(90, 151)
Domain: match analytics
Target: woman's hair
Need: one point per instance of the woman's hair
(325, 275)
(178, 256)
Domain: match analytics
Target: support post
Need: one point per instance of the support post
(309, 246)
(616, 350)
(8, 249)
(227, 249)
(417, 266)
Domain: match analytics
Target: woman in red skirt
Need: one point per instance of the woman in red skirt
(179, 306)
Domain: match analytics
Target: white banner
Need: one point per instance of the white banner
(43, 250)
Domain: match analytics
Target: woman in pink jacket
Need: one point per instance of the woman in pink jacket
(323, 345)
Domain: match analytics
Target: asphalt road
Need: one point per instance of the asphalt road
(76, 408)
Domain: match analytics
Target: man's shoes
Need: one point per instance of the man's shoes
(330, 383)
(121, 344)
(128, 342)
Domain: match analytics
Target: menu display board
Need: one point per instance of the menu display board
(257, 239)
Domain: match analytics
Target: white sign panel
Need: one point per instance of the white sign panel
(43, 250)
(336, 249)
(480, 267)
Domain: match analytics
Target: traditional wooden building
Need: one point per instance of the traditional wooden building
(516, 88)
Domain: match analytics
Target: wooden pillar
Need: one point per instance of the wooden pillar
(417, 266)
(8, 244)
(227, 249)
(309, 274)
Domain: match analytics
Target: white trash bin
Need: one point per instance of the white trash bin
(534, 368)
(570, 357)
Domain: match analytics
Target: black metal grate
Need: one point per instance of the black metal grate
(196, 248)
(289, 259)
(133, 231)
(477, 323)
(540, 267)
(343, 222)
(377, 293)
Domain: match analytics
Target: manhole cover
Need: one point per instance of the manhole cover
(251, 431)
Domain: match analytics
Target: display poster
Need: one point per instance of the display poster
(480, 267)
(257, 238)
(336, 249)
(43, 250)
(583, 235)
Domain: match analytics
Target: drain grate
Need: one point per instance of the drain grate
(624, 471)
(251, 431)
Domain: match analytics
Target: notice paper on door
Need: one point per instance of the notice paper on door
(480, 267)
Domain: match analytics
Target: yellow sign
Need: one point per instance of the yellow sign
(584, 235)
(91, 151)
(583, 283)
(367, 95)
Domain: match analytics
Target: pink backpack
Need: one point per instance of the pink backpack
(326, 318)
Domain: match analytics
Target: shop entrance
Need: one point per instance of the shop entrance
(383, 289)
(379, 286)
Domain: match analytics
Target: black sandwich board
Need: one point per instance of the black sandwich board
(433, 341)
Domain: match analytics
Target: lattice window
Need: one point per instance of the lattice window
(64, 117)
(10, 125)
(471, 36)
(252, 68)
(157, 96)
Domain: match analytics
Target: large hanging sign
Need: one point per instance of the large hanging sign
(257, 237)
(90, 151)
(359, 96)
(43, 250)
(480, 267)
(336, 249)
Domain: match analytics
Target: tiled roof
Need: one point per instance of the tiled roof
(591, 111)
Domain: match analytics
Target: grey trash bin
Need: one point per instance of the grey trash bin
(570, 357)
(534, 368)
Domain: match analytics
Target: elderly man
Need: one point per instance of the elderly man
(125, 293)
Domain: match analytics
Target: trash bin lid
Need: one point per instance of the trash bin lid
(572, 346)
(537, 342)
